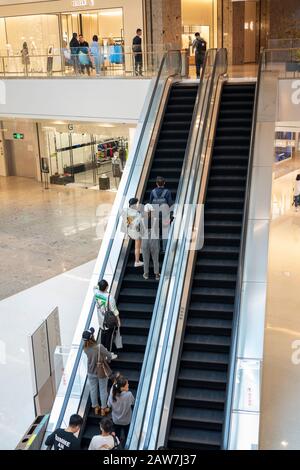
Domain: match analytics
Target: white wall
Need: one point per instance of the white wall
(101, 100)
(20, 315)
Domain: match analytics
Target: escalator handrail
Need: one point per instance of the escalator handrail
(145, 367)
(241, 264)
(108, 251)
(167, 340)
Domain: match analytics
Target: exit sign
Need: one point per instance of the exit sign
(18, 136)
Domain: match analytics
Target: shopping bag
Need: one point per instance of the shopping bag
(118, 339)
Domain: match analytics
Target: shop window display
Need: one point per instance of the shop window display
(83, 158)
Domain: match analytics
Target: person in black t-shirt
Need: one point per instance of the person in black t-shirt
(199, 46)
(74, 47)
(64, 439)
(137, 52)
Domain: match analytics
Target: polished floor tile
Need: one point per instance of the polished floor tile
(46, 232)
(280, 415)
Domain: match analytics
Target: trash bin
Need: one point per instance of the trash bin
(104, 182)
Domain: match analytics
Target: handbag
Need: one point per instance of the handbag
(103, 367)
(117, 445)
(110, 320)
(118, 339)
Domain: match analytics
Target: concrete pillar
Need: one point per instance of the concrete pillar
(163, 22)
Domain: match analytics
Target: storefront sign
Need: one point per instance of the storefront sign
(288, 100)
(285, 143)
(83, 3)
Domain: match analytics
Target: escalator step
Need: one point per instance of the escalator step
(181, 438)
(197, 417)
(209, 325)
(199, 397)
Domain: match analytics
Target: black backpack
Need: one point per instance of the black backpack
(110, 319)
(117, 446)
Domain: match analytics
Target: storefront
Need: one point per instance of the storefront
(199, 17)
(48, 26)
(66, 153)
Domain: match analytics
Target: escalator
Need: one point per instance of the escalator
(137, 296)
(199, 396)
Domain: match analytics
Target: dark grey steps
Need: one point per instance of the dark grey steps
(206, 343)
(204, 360)
(209, 326)
(211, 310)
(198, 418)
(203, 397)
(215, 280)
(182, 437)
(202, 378)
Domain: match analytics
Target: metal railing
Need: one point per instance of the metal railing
(66, 63)
(146, 422)
(68, 402)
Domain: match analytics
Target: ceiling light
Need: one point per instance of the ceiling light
(284, 443)
(106, 125)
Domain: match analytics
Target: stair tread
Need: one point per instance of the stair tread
(199, 357)
(188, 435)
(209, 306)
(190, 393)
(198, 414)
(209, 323)
(204, 339)
(129, 357)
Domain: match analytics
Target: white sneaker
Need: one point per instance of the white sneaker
(139, 264)
(146, 276)
(114, 356)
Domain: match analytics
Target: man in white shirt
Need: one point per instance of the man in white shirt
(105, 301)
(106, 440)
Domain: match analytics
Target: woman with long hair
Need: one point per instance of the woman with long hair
(97, 376)
(120, 401)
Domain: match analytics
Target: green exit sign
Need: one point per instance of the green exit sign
(18, 136)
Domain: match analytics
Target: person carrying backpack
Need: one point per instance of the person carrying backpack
(107, 439)
(199, 46)
(161, 200)
(108, 314)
